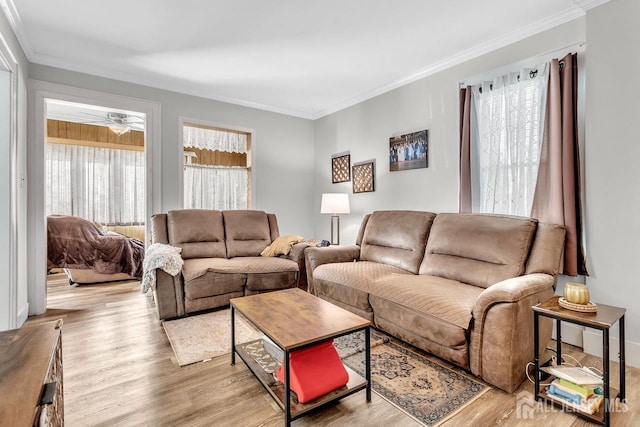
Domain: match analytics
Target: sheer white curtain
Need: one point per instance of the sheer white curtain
(506, 140)
(213, 139)
(99, 184)
(215, 187)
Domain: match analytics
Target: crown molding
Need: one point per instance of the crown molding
(569, 14)
(10, 11)
(589, 4)
(537, 27)
(161, 84)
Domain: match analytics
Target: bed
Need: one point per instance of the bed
(88, 254)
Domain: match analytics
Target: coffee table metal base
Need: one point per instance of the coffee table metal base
(281, 392)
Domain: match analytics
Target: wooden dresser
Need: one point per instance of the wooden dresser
(31, 375)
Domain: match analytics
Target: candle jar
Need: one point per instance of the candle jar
(576, 293)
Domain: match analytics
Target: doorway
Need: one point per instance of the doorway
(40, 93)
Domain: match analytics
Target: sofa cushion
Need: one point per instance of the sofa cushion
(261, 265)
(447, 301)
(199, 232)
(396, 238)
(205, 277)
(478, 249)
(351, 282)
(267, 274)
(247, 232)
(546, 251)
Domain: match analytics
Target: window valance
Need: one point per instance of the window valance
(212, 139)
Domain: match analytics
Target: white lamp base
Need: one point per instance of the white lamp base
(335, 230)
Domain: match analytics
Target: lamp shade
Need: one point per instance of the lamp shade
(335, 203)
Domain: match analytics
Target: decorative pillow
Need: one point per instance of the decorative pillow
(281, 245)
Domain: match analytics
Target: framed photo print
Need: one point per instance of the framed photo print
(409, 151)
(364, 177)
(340, 168)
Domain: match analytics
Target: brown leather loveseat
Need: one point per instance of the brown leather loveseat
(221, 253)
(459, 286)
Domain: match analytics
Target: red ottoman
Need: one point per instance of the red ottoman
(315, 371)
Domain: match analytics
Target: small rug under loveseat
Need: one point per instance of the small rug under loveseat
(205, 336)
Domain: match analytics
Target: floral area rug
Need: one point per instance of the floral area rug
(428, 391)
(204, 336)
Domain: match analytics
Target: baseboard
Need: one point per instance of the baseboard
(593, 345)
(571, 334)
(23, 314)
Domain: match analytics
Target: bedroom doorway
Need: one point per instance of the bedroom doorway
(40, 93)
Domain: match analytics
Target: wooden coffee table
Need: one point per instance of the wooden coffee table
(295, 319)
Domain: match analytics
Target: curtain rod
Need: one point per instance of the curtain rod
(579, 47)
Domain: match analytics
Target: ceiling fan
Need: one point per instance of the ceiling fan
(118, 123)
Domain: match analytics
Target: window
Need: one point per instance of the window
(506, 134)
(217, 170)
(519, 150)
(98, 183)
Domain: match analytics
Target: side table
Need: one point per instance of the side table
(31, 375)
(605, 317)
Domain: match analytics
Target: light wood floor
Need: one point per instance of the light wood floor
(119, 369)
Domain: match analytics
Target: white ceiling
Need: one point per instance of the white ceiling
(90, 114)
(306, 58)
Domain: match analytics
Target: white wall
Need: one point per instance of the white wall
(612, 152)
(430, 103)
(21, 299)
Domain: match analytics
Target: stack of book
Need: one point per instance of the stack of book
(577, 388)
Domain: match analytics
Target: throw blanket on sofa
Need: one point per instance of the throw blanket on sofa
(165, 257)
(76, 243)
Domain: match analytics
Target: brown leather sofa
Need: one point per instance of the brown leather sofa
(459, 286)
(221, 253)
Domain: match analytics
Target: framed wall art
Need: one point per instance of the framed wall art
(341, 167)
(364, 176)
(409, 151)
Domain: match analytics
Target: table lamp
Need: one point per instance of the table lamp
(334, 204)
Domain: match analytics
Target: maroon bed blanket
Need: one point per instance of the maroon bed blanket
(74, 242)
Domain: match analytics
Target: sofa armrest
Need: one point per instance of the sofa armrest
(501, 335)
(296, 254)
(168, 295)
(511, 290)
(315, 257)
